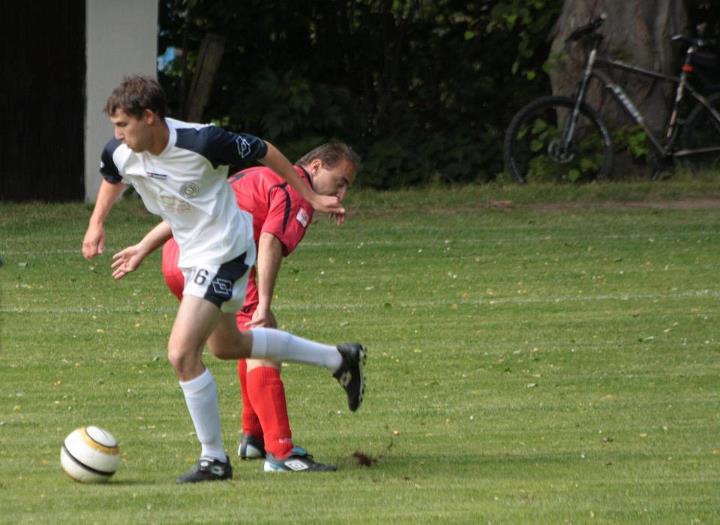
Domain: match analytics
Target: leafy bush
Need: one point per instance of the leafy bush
(422, 90)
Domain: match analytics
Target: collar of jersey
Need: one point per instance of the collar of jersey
(172, 139)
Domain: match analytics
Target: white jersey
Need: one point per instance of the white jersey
(187, 186)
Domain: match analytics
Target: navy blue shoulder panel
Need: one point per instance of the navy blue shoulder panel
(108, 169)
(221, 147)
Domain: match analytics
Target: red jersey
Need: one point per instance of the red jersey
(276, 208)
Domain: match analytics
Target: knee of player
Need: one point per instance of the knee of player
(180, 360)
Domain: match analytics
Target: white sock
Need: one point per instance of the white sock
(276, 345)
(202, 402)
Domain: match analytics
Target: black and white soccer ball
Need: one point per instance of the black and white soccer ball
(90, 455)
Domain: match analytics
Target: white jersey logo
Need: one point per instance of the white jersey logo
(303, 218)
(173, 205)
(190, 189)
(243, 147)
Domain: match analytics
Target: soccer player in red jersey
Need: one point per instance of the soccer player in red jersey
(280, 218)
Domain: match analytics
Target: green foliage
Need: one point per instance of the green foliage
(297, 107)
(582, 163)
(422, 89)
(632, 139)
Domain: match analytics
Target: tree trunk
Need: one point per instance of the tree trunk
(209, 57)
(637, 32)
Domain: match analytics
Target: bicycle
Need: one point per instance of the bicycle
(563, 138)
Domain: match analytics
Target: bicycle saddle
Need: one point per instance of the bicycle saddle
(587, 30)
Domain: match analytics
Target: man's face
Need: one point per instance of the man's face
(134, 132)
(335, 181)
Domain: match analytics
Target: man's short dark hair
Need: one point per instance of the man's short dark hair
(135, 95)
(331, 153)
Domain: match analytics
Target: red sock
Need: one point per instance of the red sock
(250, 422)
(267, 395)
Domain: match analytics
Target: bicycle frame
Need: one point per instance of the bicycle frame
(664, 147)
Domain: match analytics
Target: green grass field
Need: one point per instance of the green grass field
(546, 354)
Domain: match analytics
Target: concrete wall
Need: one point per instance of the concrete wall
(121, 40)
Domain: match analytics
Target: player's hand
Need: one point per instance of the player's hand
(339, 219)
(94, 241)
(126, 261)
(262, 318)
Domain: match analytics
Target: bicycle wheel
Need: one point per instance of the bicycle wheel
(701, 130)
(533, 148)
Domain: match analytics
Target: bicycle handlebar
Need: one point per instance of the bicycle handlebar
(587, 29)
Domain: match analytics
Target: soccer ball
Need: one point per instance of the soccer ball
(90, 455)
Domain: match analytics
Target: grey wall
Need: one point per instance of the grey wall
(121, 40)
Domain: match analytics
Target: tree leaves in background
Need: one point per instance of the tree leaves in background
(422, 89)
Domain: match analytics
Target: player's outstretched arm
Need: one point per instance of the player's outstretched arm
(129, 259)
(94, 240)
(276, 161)
(269, 259)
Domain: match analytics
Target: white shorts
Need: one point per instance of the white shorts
(223, 285)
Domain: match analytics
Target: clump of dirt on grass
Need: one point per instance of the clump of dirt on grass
(364, 459)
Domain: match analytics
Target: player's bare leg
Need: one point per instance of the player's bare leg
(196, 319)
(226, 341)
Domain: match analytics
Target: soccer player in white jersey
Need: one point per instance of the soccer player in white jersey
(180, 171)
